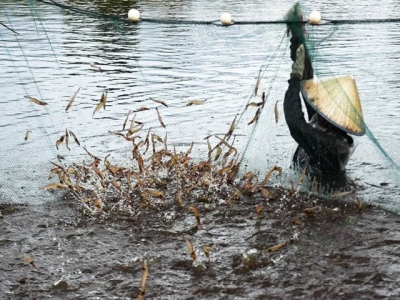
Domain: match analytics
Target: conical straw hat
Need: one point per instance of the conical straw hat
(336, 99)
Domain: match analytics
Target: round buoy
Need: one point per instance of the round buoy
(226, 19)
(315, 17)
(134, 15)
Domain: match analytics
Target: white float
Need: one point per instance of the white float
(315, 17)
(134, 15)
(226, 19)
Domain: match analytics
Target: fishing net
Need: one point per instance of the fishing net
(212, 80)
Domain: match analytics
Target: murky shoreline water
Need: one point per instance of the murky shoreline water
(339, 253)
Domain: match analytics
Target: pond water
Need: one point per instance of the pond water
(50, 59)
(341, 253)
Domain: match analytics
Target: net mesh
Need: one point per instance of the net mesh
(59, 48)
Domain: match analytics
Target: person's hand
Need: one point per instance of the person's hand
(294, 14)
(298, 65)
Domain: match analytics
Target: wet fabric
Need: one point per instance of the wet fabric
(324, 150)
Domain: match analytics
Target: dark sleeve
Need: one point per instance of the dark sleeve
(327, 148)
(308, 74)
(295, 42)
(310, 110)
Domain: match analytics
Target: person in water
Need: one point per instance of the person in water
(333, 108)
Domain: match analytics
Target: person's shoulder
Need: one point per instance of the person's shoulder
(340, 135)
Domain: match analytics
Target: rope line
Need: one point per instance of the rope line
(9, 28)
(114, 18)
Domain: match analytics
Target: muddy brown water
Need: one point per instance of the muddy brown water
(337, 252)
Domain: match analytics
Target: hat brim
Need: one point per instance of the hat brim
(337, 101)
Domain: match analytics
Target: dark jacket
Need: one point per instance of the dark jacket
(323, 150)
